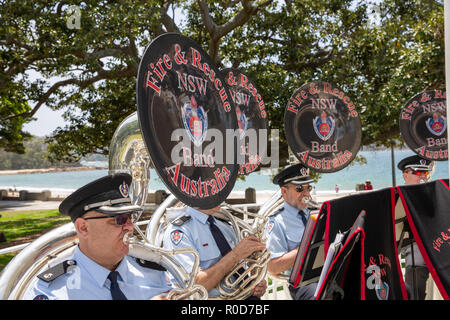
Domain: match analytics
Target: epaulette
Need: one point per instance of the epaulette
(181, 220)
(150, 264)
(57, 270)
(276, 212)
(223, 220)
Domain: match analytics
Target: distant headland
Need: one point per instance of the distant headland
(46, 170)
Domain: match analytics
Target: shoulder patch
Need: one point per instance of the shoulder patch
(176, 236)
(269, 227)
(56, 271)
(150, 264)
(181, 220)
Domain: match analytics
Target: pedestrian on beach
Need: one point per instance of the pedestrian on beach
(336, 188)
(216, 244)
(285, 228)
(368, 185)
(100, 268)
(415, 170)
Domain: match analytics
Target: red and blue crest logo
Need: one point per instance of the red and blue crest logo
(195, 121)
(176, 236)
(324, 126)
(242, 122)
(382, 291)
(436, 124)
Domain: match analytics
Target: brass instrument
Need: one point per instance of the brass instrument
(311, 203)
(187, 288)
(58, 244)
(19, 275)
(234, 287)
(128, 153)
(254, 266)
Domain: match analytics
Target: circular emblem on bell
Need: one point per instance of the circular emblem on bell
(322, 126)
(185, 111)
(242, 122)
(195, 121)
(423, 125)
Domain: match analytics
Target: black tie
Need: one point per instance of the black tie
(303, 216)
(116, 293)
(221, 242)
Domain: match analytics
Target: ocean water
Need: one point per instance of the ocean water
(377, 169)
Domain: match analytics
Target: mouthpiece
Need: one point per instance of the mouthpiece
(128, 238)
(310, 202)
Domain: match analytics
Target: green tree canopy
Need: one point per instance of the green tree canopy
(34, 157)
(381, 55)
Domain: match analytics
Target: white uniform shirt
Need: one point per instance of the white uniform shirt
(195, 233)
(87, 280)
(284, 230)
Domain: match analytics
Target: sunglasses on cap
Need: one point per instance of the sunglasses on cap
(120, 219)
(418, 173)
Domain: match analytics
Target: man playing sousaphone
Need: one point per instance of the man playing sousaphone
(285, 228)
(100, 269)
(216, 244)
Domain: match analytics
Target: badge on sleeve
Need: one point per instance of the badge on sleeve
(41, 297)
(176, 236)
(382, 291)
(270, 227)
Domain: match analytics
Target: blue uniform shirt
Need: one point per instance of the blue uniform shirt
(87, 280)
(195, 233)
(284, 230)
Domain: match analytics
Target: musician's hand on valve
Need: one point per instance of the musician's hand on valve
(260, 289)
(247, 246)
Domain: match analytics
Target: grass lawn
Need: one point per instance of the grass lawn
(18, 225)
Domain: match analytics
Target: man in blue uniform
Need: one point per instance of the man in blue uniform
(415, 170)
(100, 268)
(216, 244)
(285, 228)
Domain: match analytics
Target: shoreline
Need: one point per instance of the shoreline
(47, 170)
(262, 196)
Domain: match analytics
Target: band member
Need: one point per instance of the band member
(285, 228)
(415, 170)
(216, 244)
(99, 268)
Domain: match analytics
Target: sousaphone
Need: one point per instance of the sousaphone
(323, 131)
(187, 114)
